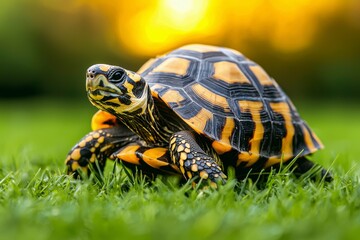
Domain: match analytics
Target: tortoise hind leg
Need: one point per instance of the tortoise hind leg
(192, 160)
(303, 165)
(150, 160)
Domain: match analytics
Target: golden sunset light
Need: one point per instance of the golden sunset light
(163, 24)
(180, 119)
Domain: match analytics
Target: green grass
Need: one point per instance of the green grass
(37, 201)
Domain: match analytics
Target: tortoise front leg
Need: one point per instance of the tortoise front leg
(97, 145)
(193, 162)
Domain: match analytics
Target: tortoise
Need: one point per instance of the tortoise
(194, 112)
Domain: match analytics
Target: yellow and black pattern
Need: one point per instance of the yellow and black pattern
(233, 102)
(147, 159)
(96, 147)
(193, 112)
(192, 160)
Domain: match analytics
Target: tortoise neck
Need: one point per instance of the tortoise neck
(150, 125)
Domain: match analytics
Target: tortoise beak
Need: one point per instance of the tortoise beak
(92, 83)
(96, 76)
(95, 79)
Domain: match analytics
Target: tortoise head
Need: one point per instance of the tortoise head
(116, 90)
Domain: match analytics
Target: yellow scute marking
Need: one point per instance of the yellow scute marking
(211, 97)
(308, 141)
(151, 157)
(200, 48)
(261, 75)
(172, 96)
(155, 90)
(287, 146)
(248, 157)
(173, 65)
(318, 140)
(253, 155)
(198, 122)
(254, 107)
(223, 145)
(229, 72)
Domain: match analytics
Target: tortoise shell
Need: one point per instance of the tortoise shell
(232, 101)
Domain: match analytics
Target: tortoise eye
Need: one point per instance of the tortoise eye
(117, 76)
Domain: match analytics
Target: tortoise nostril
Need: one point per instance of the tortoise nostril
(91, 72)
(90, 75)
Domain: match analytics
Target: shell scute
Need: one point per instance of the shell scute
(231, 100)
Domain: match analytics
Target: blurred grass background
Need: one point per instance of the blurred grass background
(310, 47)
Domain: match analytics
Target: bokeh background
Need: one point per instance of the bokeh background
(312, 48)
